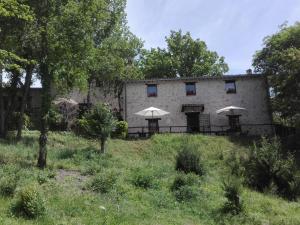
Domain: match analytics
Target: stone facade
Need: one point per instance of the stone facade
(251, 93)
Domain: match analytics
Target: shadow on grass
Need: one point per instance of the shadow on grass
(244, 141)
(26, 140)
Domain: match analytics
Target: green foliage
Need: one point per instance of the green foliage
(186, 193)
(185, 188)
(267, 165)
(103, 183)
(184, 57)
(8, 185)
(183, 180)
(188, 160)
(157, 63)
(29, 203)
(15, 119)
(55, 119)
(280, 61)
(232, 191)
(98, 123)
(143, 178)
(121, 129)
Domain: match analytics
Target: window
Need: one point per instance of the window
(230, 86)
(151, 90)
(190, 89)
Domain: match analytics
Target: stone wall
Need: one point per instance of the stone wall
(251, 93)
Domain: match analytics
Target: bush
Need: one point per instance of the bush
(186, 193)
(103, 183)
(13, 124)
(183, 180)
(55, 120)
(143, 179)
(121, 130)
(8, 185)
(29, 203)
(184, 188)
(267, 165)
(98, 123)
(232, 189)
(188, 160)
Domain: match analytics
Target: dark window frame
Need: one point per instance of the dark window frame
(193, 92)
(230, 90)
(149, 94)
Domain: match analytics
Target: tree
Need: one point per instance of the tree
(15, 17)
(118, 60)
(157, 63)
(184, 57)
(68, 33)
(98, 123)
(280, 61)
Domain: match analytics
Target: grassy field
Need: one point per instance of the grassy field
(73, 162)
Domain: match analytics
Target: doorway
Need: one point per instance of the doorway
(192, 122)
(234, 123)
(153, 126)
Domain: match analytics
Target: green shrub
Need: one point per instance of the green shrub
(103, 183)
(14, 120)
(188, 160)
(28, 203)
(143, 179)
(267, 164)
(42, 178)
(183, 180)
(121, 129)
(8, 185)
(184, 187)
(232, 189)
(3, 159)
(55, 119)
(186, 193)
(98, 123)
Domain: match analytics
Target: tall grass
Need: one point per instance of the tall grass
(141, 191)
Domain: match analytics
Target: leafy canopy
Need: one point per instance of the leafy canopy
(184, 57)
(280, 61)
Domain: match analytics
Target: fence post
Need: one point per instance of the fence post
(170, 129)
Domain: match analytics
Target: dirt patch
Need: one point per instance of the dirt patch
(71, 178)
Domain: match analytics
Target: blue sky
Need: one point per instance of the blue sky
(233, 28)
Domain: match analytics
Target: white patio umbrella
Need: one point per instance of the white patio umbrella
(230, 109)
(65, 101)
(152, 111)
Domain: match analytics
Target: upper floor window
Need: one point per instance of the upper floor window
(151, 90)
(230, 86)
(190, 89)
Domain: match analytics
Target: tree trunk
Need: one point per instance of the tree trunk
(46, 105)
(46, 79)
(26, 89)
(103, 146)
(88, 97)
(12, 97)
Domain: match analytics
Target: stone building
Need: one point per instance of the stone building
(192, 104)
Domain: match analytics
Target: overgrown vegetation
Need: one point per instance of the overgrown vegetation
(268, 166)
(188, 160)
(28, 203)
(136, 182)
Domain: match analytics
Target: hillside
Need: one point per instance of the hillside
(73, 163)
